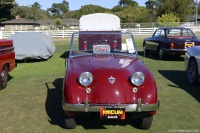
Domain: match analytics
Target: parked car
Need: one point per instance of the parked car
(173, 41)
(105, 75)
(192, 65)
(7, 61)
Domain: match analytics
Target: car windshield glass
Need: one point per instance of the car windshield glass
(179, 33)
(90, 42)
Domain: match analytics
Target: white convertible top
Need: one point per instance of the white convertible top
(99, 22)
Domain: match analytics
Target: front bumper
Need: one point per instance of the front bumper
(139, 107)
(176, 51)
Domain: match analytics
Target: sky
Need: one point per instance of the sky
(75, 4)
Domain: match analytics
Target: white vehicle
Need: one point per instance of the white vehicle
(192, 65)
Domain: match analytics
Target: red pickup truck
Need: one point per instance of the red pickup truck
(7, 61)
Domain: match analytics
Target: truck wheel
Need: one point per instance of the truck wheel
(161, 54)
(70, 122)
(192, 72)
(145, 123)
(4, 77)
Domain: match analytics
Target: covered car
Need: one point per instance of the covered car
(105, 75)
(32, 45)
(174, 41)
(192, 65)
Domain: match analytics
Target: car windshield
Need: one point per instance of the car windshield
(92, 42)
(179, 33)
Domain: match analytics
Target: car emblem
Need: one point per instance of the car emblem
(111, 80)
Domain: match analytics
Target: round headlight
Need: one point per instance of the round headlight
(85, 78)
(137, 78)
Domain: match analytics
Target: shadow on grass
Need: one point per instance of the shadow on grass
(153, 55)
(93, 121)
(56, 115)
(10, 77)
(65, 55)
(54, 103)
(179, 78)
(31, 60)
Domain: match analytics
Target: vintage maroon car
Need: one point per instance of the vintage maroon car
(105, 75)
(174, 41)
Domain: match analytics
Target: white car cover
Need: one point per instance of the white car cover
(32, 45)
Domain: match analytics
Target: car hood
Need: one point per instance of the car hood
(194, 51)
(103, 68)
(101, 61)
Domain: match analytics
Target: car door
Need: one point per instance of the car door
(152, 43)
(160, 41)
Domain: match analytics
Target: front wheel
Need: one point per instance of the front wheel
(192, 72)
(4, 77)
(145, 122)
(70, 122)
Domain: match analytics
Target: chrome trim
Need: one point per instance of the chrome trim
(178, 50)
(139, 107)
(6, 49)
(86, 105)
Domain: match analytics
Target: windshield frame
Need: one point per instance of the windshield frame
(76, 34)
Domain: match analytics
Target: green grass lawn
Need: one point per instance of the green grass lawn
(32, 100)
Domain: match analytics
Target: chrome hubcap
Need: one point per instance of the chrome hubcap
(161, 53)
(3, 76)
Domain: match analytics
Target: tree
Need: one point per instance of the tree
(166, 18)
(58, 23)
(88, 9)
(59, 8)
(180, 8)
(125, 3)
(194, 11)
(84, 10)
(117, 8)
(36, 5)
(5, 9)
(151, 5)
(133, 15)
(72, 14)
(31, 13)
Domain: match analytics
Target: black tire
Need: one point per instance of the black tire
(145, 122)
(192, 72)
(161, 54)
(70, 122)
(4, 77)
